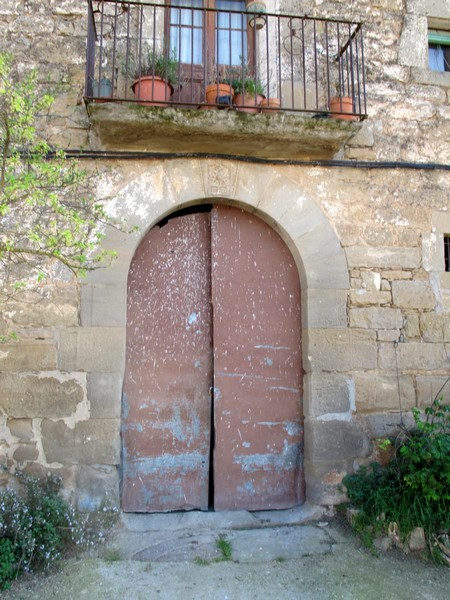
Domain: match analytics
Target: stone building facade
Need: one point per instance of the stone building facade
(366, 230)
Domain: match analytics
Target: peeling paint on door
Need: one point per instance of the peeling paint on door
(229, 273)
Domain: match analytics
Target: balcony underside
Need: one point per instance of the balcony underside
(129, 126)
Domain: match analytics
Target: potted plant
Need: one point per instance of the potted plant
(220, 94)
(249, 93)
(341, 106)
(155, 77)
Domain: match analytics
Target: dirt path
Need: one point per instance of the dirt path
(343, 570)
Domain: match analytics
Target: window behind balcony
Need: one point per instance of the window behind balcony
(198, 36)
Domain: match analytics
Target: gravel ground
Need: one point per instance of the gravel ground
(347, 571)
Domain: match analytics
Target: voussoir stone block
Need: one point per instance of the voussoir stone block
(89, 442)
(413, 294)
(31, 395)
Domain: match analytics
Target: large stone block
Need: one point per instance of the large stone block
(92, 349)
(340, 349)
(376, 391)
(335, 441)
(376, 318)
(329, 393)
(103, 305)
(325, 308)
(413, 294)
(48, 395)
(323, 481)
(435, 327)
(383, 258)
(413, 356)
(90, 442)
(428, 388)
(369, 298)
(104, 392)
(28, 355)
(386, 424)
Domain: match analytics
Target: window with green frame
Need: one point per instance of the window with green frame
(438, 50)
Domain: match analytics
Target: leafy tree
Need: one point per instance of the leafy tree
(47, 210)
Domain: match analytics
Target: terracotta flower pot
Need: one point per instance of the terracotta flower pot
(340, 106)
(270, 105)
(220, 94)
(154, 90)
(247, 100)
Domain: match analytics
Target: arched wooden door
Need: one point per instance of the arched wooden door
(212, 414)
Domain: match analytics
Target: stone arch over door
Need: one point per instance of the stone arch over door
(156, 190)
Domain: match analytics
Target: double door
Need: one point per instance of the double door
(212, 413)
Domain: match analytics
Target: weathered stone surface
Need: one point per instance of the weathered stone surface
(92, 349)
(28, 355)
(331, 439)
(428, 388)
(21, 428)
(416, 540)
(104, 392)
(330, 393)
(327, 308)
(89, 442)
(368, 298)
(102, 305)
(383, 258)
(341, 349)
(414, 356)
(377, 392)
(433, 257)
(97, 486)
(411, 326)
(435, 327)
(413, 294)
(50, 395)
(44, 314)
(130, 126)
(25, 453)
(387, 424)
(376, 318)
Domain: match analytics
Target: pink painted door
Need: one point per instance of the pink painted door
(166, 419)
(257, 366)
(214, 304)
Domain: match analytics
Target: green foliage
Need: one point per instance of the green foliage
(224, 547)
(413, 490)
(37, 526)
(164, 65)
(47, 210)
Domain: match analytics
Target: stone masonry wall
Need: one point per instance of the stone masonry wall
(378, 343)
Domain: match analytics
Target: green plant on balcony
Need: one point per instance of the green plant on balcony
(155, 76)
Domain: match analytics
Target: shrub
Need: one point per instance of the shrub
(38, 526)
(414, 488)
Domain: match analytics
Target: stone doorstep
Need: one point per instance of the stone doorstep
(254, 537)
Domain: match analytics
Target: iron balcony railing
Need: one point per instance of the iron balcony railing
(278, 62)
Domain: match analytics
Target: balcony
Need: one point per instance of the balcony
(240, 81)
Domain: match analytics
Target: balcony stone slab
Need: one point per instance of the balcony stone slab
(132, 127)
